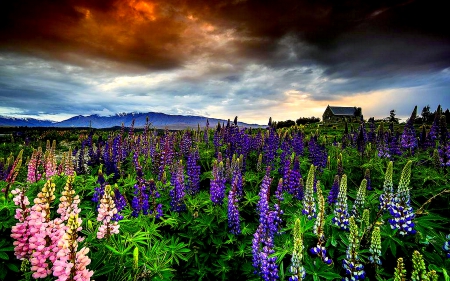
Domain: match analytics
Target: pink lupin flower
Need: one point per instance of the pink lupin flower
(20, 232)
(70, 264)
(106, 211)
(68, 201)
(35, 162)
(68, 164)
(44, 233)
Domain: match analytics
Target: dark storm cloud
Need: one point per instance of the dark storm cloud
(118, 55)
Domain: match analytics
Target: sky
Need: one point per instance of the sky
(253, 59)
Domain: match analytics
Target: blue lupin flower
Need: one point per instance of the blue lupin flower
(320, 250)
(309, 206)
(446, 246)
(400, 209)
(341, 216)
(352, 265)
(388, 189)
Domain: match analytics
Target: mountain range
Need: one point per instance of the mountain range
(157, 120)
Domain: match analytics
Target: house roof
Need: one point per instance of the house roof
(342, 110)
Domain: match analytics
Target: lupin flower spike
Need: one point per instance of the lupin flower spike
(340, 218)
(320, 249)
(375, 246)
(419, 271)
(70, 264)
(352, 265)
(106, 212)
(446, 246)
(400, 271)
(400, 209)
(388, 189)
(69, 201)
(296, 268)
(309, 206)
(360, 199)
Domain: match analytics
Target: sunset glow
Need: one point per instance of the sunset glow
(284, 59)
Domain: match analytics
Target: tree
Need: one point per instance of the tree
(426, 114)
(392, 116)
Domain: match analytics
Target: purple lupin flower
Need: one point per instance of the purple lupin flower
(262, 243)
(178, 191)
(294, 185)
(217, 190)
(408, 139)
(193, 172)
(270, 147)
(100, 189)
(233, 212)
(341, 216)
(140, 200)
(297, 143)
(400, 209)
(120, 202)
(334, 191)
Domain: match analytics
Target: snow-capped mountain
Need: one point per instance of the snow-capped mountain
(157, 120)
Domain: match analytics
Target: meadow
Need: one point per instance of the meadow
(344, 201)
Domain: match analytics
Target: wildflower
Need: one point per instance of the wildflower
(262, 243)
(419, 271)
(446, 246)
(217, 189)
(233, 211)
(334, 191)
(352, 265)
(320, 249)
(340, 218)
(388, 189)
(296, 268)
(178, 192)
(360, 199)
(34, 166)
(68, 201)
(375, 246)
(400, 209)
(71, 263)
(309, 206)
(400, 271)
(408, 138)
(193, 171)
(120, 202)
(106, 212)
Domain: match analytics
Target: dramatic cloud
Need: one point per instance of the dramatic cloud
(252, 58)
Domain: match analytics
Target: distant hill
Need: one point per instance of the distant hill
(157, 120)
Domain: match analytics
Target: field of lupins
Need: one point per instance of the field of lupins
(365, 201)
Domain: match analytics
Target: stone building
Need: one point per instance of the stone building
(340, 113)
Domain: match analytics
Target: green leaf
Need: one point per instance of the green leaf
(329, 275)
(113, 250)
(4, 256)
(13, 267)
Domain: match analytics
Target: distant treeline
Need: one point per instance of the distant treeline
(299, 121)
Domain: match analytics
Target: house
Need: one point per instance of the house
(340, 113)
